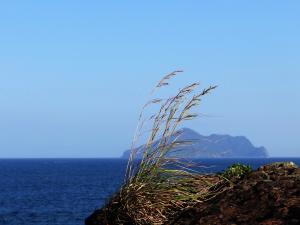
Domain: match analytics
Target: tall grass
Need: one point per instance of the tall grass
(158, 185)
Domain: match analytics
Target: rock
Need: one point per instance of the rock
(270, 195)
(267, 196)
(97, 218)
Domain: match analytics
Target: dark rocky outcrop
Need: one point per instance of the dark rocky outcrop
(212, 146)
(267, 196)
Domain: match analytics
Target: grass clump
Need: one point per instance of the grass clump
(236, 171)
(158, 185)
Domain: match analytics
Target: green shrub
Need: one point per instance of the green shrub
(236, 171)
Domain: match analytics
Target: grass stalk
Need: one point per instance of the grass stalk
(159, 184)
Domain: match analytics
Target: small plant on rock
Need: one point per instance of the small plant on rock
(236, 171)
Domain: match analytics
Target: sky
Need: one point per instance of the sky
(75, 74)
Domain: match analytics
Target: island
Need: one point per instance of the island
(212, 146)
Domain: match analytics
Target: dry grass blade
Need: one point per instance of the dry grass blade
(157, 185)
(166, 78)
(163, 82)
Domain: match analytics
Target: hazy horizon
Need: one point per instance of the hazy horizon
(74, 75)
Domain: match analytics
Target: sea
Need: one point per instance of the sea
(66, 191)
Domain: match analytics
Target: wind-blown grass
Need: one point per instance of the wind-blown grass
(159, 185)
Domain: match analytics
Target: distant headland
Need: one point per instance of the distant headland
(212, 146)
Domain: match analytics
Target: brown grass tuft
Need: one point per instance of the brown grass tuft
(158, 185)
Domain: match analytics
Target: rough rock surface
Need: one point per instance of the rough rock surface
(268, 196)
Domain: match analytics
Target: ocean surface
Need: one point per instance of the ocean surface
(66, 191)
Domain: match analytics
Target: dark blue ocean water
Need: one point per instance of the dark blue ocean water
(65, 191)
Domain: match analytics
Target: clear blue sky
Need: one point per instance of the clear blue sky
(74, 74)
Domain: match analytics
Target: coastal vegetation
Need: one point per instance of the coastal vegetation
(235, 171)
(160, 188)
(157, 186)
